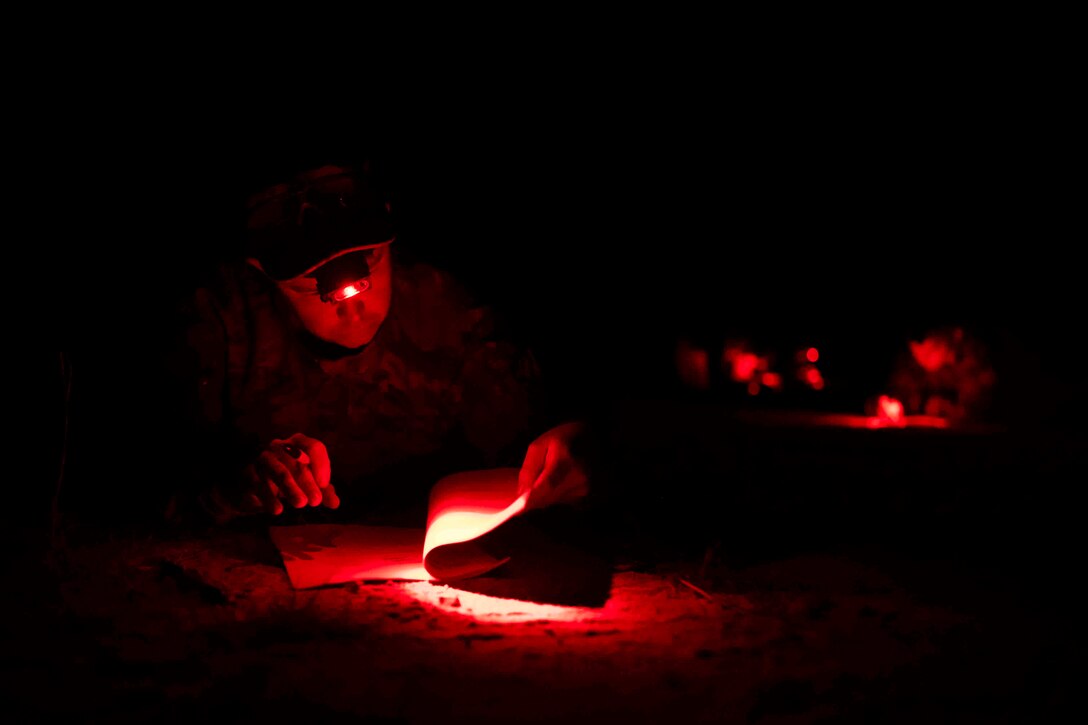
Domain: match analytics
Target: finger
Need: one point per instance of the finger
(531, 467)
(277, 471)
(574, 485)
(563, 480)
(319, 458)
(331, 499)
(265, 492)
(270, 501)
(305, 480)
(550, 472)
(541, 489)
(251, 504)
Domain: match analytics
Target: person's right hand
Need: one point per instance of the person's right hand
(295, 470)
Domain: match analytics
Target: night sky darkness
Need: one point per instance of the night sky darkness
(605, 243)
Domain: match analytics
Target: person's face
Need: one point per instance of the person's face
(352, 322)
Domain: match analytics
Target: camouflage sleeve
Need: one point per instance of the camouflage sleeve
(200, 449)
(508, 401)
(501, 405)
(496, 389)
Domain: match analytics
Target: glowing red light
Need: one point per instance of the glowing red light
(814, 378)
(772, 380)
(812, 354)
(889, 409)
(744, 366)
(933, 353)
(497, 609)
(348, 291)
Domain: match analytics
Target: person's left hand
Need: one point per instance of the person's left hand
(551, 472)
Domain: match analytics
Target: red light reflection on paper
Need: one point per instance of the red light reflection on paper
(401, 572)
(464, 507)
(464, 524)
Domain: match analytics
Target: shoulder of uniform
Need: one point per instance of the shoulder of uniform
(434, 308)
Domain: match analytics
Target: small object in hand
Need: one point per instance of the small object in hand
(296, 453)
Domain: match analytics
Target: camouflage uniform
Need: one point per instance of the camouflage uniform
(431, 393)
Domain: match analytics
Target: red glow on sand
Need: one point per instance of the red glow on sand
(812, 354)
(908, 421)
(873, 422)
(497, 609)
(844, 420)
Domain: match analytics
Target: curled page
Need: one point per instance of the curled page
(463, 507)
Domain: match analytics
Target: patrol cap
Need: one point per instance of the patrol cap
(295, 226)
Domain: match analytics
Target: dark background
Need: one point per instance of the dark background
(849, 220)
(845, 206)
(852, 208)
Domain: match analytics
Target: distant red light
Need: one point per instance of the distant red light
(693, 365)
(772, 380)
(744, 366)
(812, 354)
(890, 410)
(814, 378)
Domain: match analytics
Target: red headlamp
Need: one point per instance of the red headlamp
(344, 277)
(348, 291)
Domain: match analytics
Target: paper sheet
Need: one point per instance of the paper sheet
(463, 507)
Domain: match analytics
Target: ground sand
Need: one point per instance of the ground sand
(871, 579)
